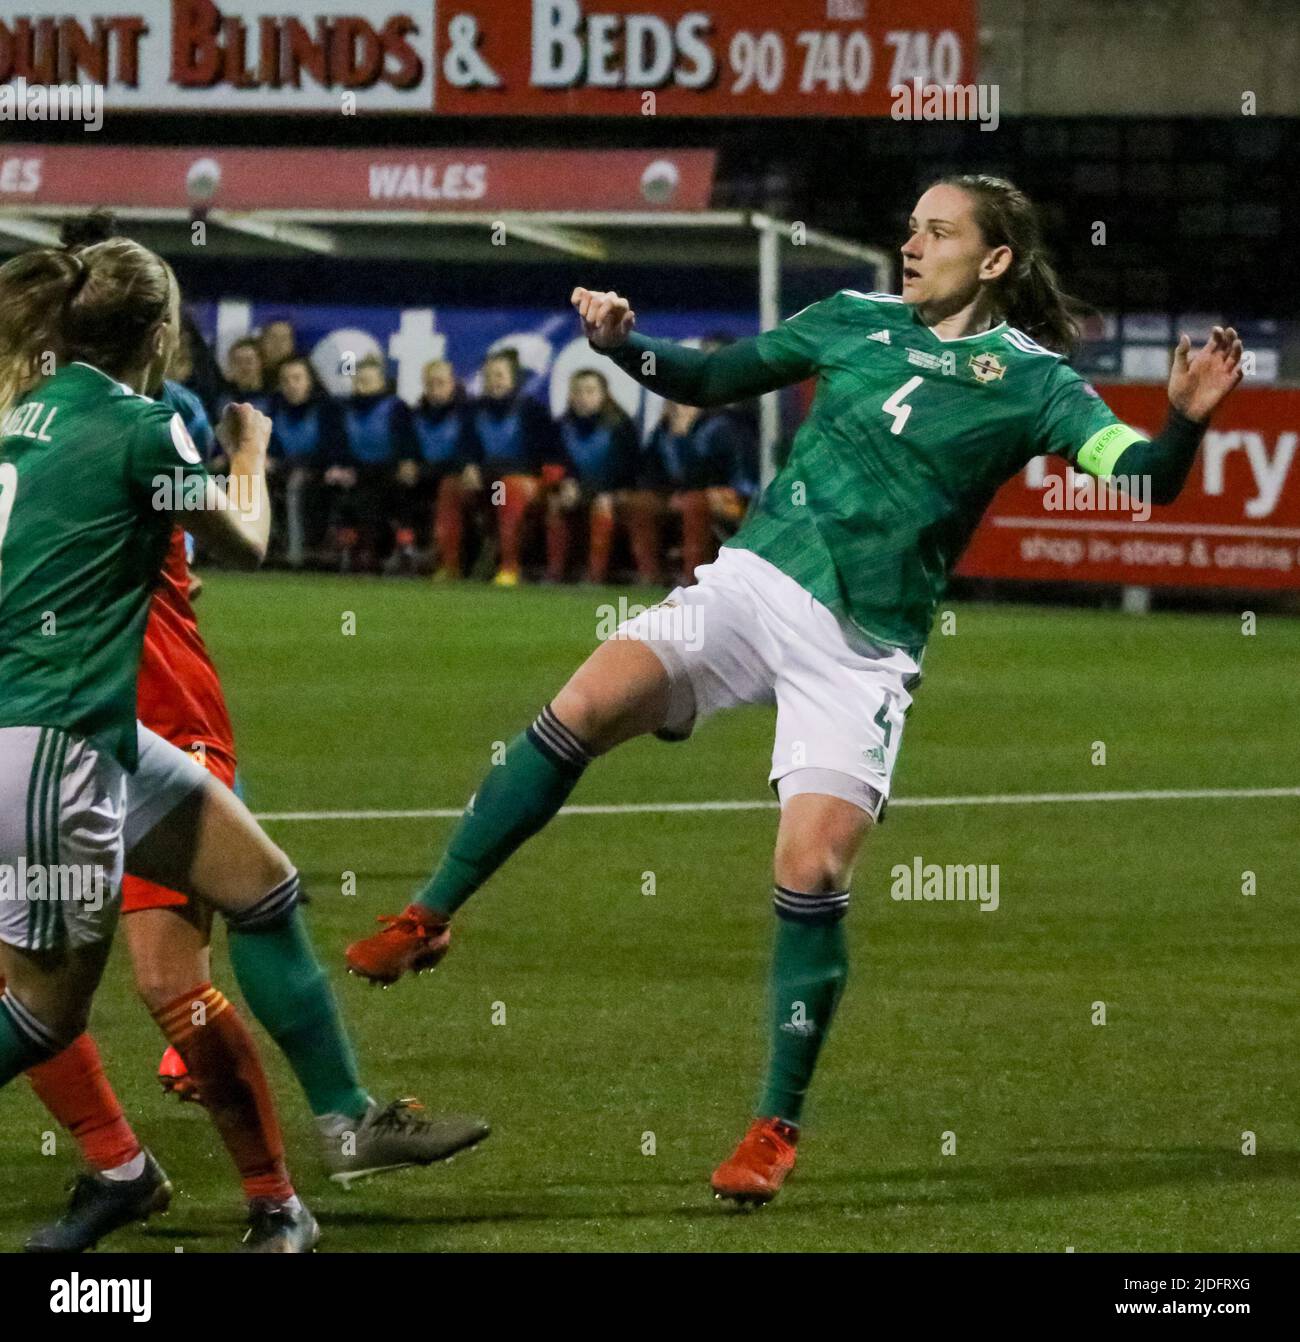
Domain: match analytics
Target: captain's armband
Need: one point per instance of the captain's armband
(1100, 453)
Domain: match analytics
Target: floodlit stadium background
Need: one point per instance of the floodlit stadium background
(416, 195)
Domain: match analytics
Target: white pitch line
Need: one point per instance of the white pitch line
(672, 807)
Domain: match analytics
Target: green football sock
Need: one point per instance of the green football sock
(810, 963)
(24, 1041)
(286, 989)
(517, 799)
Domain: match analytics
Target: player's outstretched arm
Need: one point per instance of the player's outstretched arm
(1198, 385)
(676, 372)
(236, 523)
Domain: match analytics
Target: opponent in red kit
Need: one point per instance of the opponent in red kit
(178, 695)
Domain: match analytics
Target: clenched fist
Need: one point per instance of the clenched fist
(607, 319)
(243, 428)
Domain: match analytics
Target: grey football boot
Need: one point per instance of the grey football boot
(393, 1137)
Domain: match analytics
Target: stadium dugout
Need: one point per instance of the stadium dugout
(777, 250)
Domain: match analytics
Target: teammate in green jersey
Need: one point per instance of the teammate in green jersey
(94, 475)
(926, 402)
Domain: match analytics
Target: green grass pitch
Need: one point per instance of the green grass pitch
(628, 1014)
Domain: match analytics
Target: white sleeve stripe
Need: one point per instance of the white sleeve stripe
(1023, 342)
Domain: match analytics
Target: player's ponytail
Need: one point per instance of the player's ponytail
(99, 304)
(126, 294)
(35, 290)
(1036, 303)
(1029, 294)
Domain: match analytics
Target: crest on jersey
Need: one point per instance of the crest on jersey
(987, 367)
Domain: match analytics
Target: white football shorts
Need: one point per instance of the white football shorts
(68, 815)
(745, 633)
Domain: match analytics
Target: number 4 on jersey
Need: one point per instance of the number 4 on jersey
(894, 406)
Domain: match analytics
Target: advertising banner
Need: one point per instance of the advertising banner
(356, 179)
(486, 58)
(1236, 523)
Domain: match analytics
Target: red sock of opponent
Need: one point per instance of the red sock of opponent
(223, 1060)
(73, 1087)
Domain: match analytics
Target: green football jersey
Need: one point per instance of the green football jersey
(908, 439)
(85, 466)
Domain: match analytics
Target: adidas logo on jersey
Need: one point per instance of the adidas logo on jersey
(882, 336)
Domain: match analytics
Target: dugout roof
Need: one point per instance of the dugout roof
(685, 238)
(699, 238)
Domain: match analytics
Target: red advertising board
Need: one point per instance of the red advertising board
(357, 179)
(484, 58)
(1236, 523)
(700, 57)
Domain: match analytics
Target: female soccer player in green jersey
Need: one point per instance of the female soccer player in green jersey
(94, 476)
(926, 402)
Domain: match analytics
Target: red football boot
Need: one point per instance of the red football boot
(759, 1165)
(175, 1077)
(412, 941)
